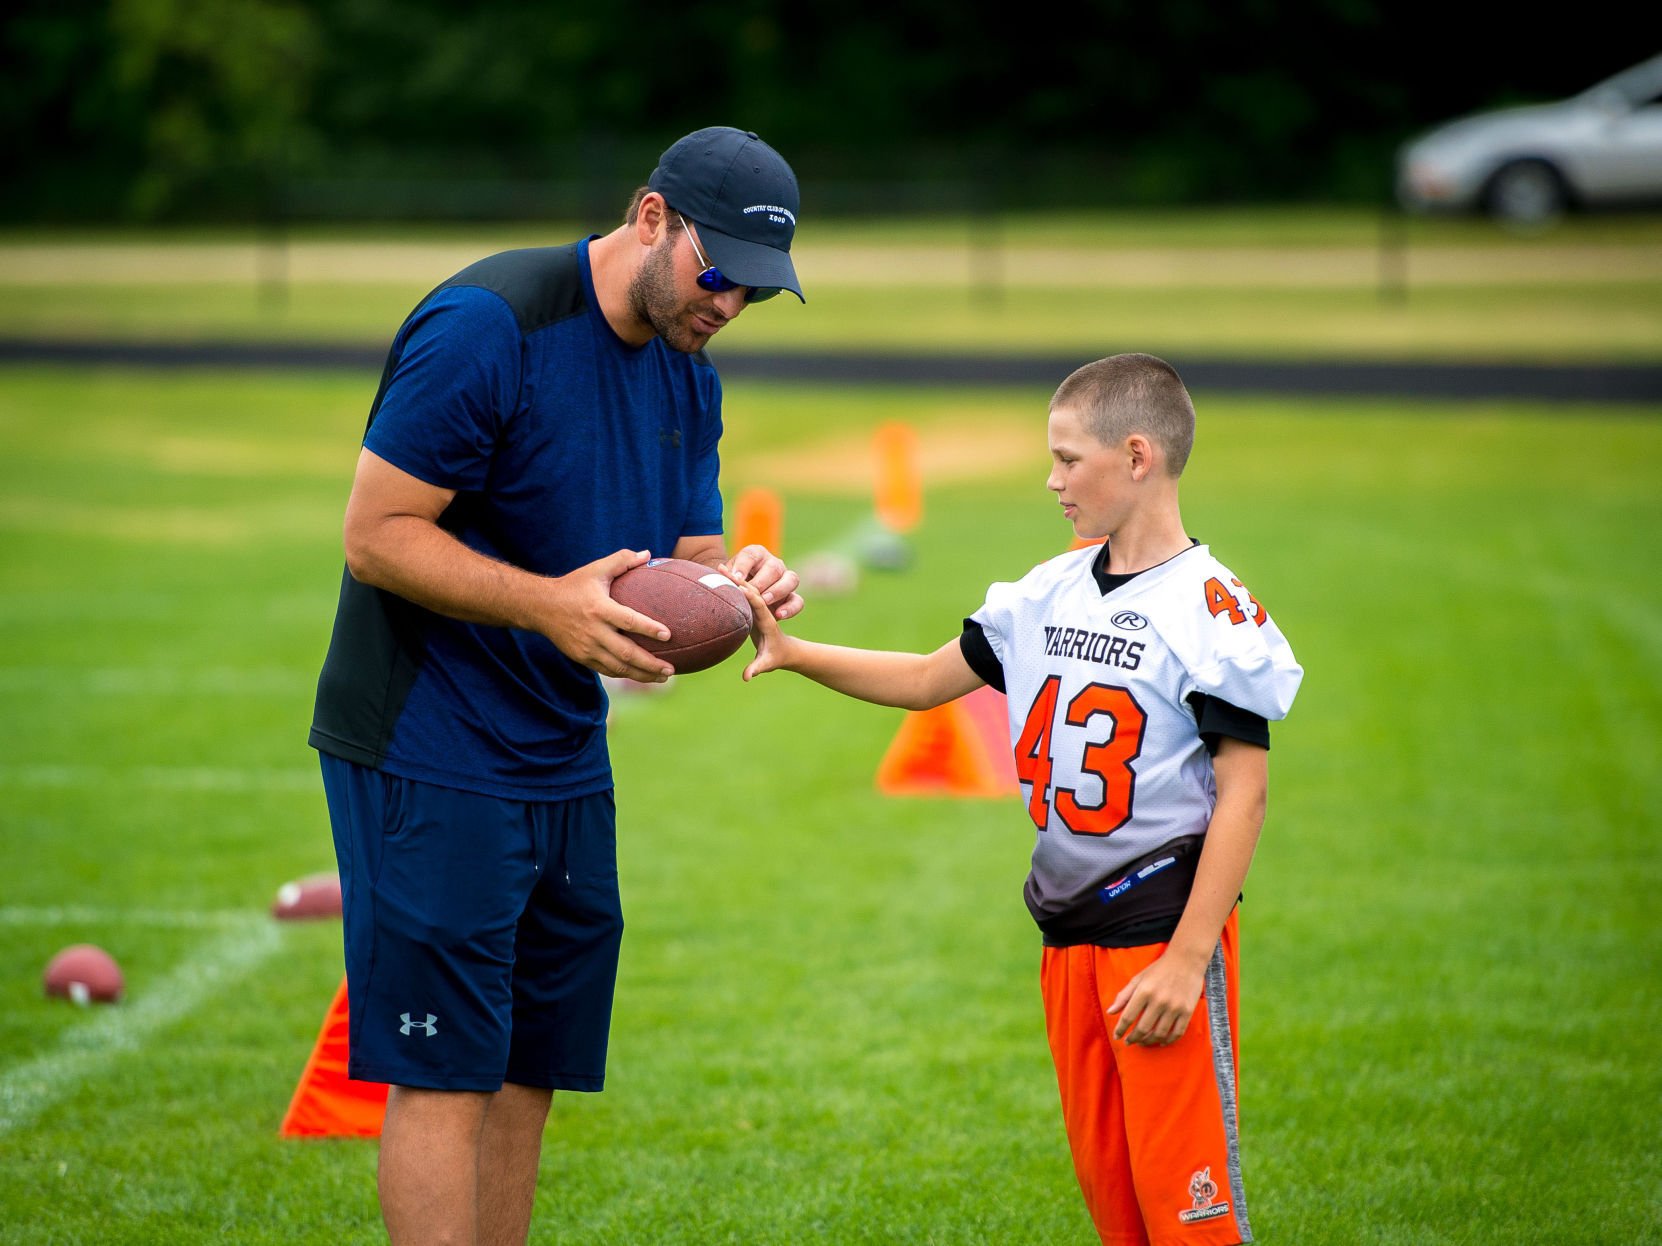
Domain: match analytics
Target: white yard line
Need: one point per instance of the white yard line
(93, 1049)
(159, 919)
(166, 778)
(156, 681)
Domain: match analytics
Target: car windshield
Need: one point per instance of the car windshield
(1635, 86)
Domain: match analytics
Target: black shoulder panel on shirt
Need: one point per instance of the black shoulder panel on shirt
(978, 652)
(540, 284)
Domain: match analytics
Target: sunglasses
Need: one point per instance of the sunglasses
(717, 282)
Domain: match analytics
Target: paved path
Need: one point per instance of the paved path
(1597, 383)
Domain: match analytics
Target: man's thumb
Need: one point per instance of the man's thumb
(623, 560)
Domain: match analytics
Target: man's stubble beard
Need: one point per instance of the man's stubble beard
(654, 301)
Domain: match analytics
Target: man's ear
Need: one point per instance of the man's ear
(651, 219)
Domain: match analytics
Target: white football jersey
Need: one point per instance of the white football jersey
(1106, 744)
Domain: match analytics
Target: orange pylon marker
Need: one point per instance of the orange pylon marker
(961, 748)
(759, 519)
(327, 1103)
(898, 494)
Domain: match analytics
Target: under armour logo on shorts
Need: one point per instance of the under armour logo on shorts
(427, 1026)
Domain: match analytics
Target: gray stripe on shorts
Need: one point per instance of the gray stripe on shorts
(1223, 1065)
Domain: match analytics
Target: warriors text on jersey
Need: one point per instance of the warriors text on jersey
(1111, 682)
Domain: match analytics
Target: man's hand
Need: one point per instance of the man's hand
(1155, 1006)
(774, 581)
(579, 615)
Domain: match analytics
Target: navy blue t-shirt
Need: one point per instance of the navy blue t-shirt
(563, 444)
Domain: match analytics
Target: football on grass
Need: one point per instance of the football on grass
(85, 974)
(707, 614)
(316, 895)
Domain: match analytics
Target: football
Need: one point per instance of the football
(84, 974)
(707, 614)
(317, 895)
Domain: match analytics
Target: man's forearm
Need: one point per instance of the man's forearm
(419, 561)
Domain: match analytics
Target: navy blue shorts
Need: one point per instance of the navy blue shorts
(481, 933)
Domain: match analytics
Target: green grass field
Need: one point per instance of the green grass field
(827, 1027)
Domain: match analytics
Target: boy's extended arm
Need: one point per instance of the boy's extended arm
(1155, 1006)
(913, 681)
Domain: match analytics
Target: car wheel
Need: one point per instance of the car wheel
(1526, 192)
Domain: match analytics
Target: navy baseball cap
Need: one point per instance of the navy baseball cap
(742, 196)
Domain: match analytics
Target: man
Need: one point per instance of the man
(546, 420)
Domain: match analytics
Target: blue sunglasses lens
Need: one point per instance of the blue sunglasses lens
(714, 281)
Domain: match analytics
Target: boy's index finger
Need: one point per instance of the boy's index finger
(758, 607)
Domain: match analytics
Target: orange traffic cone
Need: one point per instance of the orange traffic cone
(897, 494)
(759, 519)
(961, 748)
(327, 1103)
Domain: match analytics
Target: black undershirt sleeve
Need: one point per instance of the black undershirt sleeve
(1218, 718)
(978, 652)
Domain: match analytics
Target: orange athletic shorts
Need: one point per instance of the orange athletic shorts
(1152, 1129)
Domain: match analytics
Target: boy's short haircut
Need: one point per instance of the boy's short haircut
(634, 208)
(1133, 393)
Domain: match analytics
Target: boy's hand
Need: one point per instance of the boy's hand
(770, 642)
(1155, 1006)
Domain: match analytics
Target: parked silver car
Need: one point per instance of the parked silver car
(1527, 165)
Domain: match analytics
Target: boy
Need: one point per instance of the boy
(1140, 677)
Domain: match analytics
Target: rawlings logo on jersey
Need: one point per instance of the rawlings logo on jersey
(1130, 620)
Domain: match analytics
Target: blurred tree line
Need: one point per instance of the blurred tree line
(247, 109)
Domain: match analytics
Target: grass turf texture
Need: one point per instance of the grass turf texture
(827, 1027)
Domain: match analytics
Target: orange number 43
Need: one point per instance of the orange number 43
(1109, 761)
(1219, 600)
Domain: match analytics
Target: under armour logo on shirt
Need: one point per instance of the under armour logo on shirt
(426, 1026)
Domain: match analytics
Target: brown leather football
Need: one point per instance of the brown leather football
(316, 895)
(708, 615)
(85, 973)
